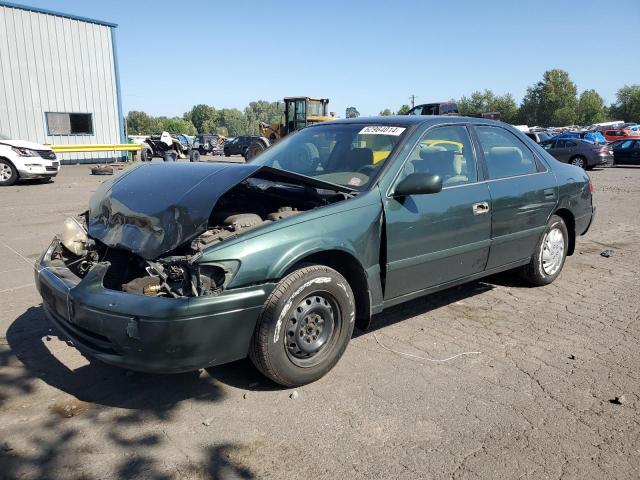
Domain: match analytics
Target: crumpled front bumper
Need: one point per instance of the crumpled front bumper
(151, 334)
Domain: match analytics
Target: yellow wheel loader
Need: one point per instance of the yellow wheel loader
(299, 112)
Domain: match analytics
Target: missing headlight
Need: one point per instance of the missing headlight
(214, 277)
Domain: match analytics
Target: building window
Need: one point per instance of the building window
(69, 123)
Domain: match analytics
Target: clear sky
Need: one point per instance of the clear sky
(369, 54)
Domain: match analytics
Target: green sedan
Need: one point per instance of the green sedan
(176, 267)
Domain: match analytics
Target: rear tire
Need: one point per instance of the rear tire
(8, 173)
(579, 161)
(194, 156)
(305, 326)
(550, 254)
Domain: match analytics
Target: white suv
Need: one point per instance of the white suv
(20, 159)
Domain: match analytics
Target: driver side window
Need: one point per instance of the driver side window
(447, 152)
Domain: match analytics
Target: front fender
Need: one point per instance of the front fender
(301, 251)
(267, 256)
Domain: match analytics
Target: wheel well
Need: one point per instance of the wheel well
(570, 222)
(347, 265)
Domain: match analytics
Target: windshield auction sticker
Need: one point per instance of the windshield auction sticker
(381, 130)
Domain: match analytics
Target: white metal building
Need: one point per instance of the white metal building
(59, 81)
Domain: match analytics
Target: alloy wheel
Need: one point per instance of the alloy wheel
(5, 172)
(578, 162)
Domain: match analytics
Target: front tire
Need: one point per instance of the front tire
(550, 254)
(146, 155)
(305, 326)
(8, 173)
(255, 149)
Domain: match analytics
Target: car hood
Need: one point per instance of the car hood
(151, 209)
(24, 144)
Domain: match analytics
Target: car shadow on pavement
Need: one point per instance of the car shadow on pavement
(243, 374)
(52, 441)
(428, 303)
(97, 382)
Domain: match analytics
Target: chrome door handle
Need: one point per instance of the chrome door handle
(480, 208)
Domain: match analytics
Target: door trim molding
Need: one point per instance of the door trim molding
(443, 286)
(429, 257)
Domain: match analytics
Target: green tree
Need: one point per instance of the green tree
(507, 106)
(528, 113)
(591, 108)
(552, 101)
(352, 112)
(487, 101)
(175, 125)
(139, 123)
(385, 113)
(200, 114)
(262, 111)
(404, 109)
(209, 126)
(232, 120)
(476, 103)
(627, 106)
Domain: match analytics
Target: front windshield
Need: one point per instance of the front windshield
(4, 137)
(345, 154)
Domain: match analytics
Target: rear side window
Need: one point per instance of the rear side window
(505, 154)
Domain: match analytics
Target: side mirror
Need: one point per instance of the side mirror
(418, 184)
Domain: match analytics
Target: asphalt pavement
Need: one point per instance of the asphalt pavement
(553, 390)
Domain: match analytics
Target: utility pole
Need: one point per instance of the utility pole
(412, 97)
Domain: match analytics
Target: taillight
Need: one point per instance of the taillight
(590, 186)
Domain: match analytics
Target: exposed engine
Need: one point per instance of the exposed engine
(251, 204)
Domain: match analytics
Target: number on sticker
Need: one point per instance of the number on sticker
(381, 130)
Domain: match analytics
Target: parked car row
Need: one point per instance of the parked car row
(579, 152)
(620, 134)
(590, 148)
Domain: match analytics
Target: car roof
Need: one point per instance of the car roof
(410, 120)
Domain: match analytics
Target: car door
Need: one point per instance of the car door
(571, 149)
(436, 238)
(523, 194)
(561, 152)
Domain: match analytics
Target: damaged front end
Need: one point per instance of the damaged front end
(151, 233)
(127, 281)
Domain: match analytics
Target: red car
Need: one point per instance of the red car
(619, 134)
